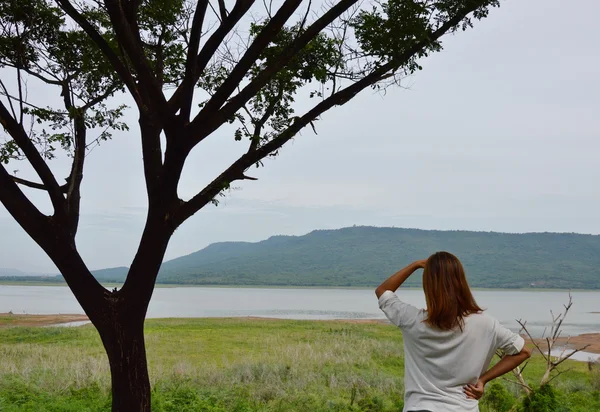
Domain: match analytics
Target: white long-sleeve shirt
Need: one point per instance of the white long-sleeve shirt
(438, 364)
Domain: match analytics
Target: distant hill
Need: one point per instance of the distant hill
(365, 256)
(14, 272)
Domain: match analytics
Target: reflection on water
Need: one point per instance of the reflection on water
(506, 306)
(579, 356)
(68, 324)
(300, 314)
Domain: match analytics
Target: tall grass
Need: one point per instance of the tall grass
(224, 365)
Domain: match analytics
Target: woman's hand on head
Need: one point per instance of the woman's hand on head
(421, 263)
(474, 390)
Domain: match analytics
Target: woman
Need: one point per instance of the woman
(448, 347)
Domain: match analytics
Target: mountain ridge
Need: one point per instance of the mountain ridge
(363, 256)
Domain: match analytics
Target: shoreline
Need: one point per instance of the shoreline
(25, 320)
(110, 285)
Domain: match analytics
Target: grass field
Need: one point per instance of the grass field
(236, 365)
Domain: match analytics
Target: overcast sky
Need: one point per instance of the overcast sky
(499, 132)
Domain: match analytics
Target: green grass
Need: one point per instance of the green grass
(234, 365)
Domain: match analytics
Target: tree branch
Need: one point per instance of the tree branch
(21, 99)
(200, 128)
(19, 206)
(209, 49)
(130, 40)
(237, 169)
(150, 141)
(527, 388)
(261, 122)
(189, 80)
(564, 358)
(76, 175)
(537, 346)
(18, 134)
(556, 376)
(266, 35)
(35, 185)
(9, 98)
(34, 74)
(152, 155)
(99, 98)
(120, 68)
(222, 9)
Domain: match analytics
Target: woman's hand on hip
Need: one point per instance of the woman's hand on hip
(474, 390)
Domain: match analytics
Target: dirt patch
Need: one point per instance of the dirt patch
(9, 319)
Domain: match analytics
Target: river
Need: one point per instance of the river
(306, 303)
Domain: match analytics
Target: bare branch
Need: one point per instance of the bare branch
(76, 175)
(187, 85)
(527, 388)
(268, 8)
(255, 141)
(552, 362)
(35, 185)
(35, 74)
(128, 37)
(524, 329)
(9, 98)
(556, 376)
(21, 99)
(100, 98)
(121, 70)
(209, 49)
(222, 9)
(217, 15)
(562, 359)
(305, 18)
(19, 206)
(201, 128)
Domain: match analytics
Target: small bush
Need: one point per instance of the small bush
(543, 399)
(498, 398)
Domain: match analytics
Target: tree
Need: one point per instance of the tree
(191, 68)
(543, 398)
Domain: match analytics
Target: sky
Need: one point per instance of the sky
(499, 132)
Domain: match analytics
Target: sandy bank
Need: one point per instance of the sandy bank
(10, 319)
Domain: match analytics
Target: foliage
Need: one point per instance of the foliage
(543, 399)
(37, 42)
(498, 398)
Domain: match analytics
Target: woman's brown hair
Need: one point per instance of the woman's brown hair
(447, 292)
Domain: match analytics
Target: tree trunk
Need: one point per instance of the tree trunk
(123, 340)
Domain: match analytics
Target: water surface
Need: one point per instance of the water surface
(307, 303)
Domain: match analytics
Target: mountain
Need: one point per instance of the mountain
(14, 272)
(365, 256)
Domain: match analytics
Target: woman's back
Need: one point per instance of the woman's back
(439, 363)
